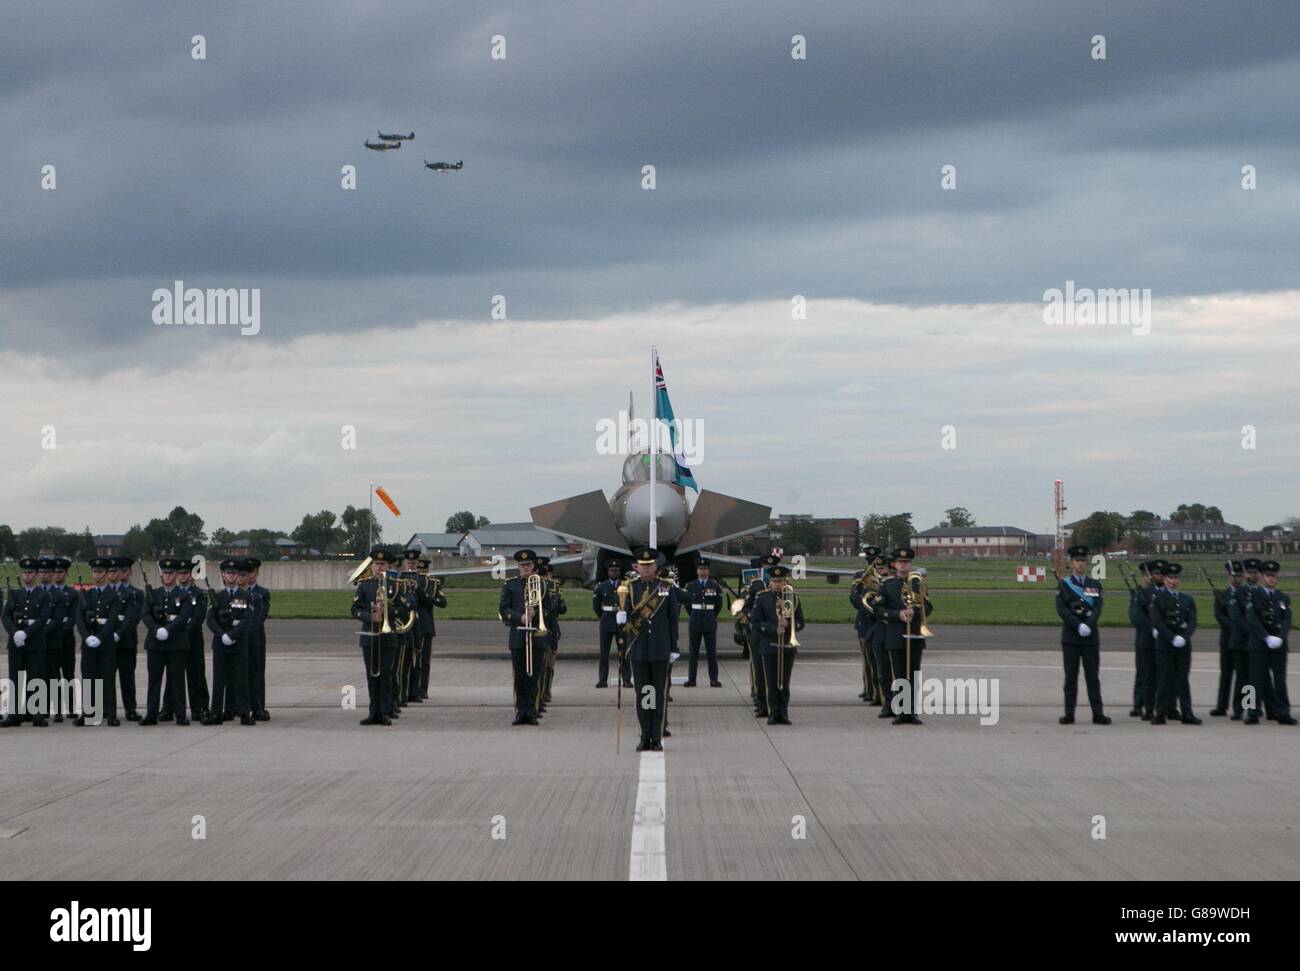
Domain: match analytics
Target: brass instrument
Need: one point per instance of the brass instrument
(786, 602)
(534, 591)
(914, 597)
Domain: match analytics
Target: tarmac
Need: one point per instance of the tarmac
(453, 791)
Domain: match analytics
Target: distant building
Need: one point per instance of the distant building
(839, 533)
(109, 544)
(506, 539)
(973, 541)
(436, 544)
(1167, 536)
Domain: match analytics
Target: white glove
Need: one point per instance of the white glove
(1154, 632)
(621, 617)
(20, 637)
(1273, 642)
(227, 640)
(92, 641)
(162, 634)
(116, 638)
(1180, 641)
(1084, 630)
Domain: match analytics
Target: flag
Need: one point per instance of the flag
(664, 412)
(387, 500)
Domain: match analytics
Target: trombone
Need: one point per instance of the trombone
(534, 591)
(914, 596)
(786, 603)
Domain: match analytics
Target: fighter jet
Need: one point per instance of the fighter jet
(382, 146)
(444, 166)
(396, 138)
(616, 528)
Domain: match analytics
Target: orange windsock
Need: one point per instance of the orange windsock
(387, 500)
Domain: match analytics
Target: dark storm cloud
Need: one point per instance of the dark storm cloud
(775, 176)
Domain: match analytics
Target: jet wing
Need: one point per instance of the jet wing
(717, 517)
(585, 519)
(832, 574)
(569, 567)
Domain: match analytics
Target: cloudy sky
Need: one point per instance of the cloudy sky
(774, 177)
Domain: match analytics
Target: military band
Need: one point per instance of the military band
(638, 617)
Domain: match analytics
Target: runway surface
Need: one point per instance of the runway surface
(452, 791)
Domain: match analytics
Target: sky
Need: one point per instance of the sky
(922, 374)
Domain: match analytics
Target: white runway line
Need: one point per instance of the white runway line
(649, 857)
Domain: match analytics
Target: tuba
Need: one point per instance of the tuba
(914, 597)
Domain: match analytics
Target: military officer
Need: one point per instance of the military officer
(27, 614)
(408, 646)
(1173, 615)
(863, 622)
(555, 606)
(130, 602)
(61, 638)
(230, 619)
(527, 648)
(1156, 569)
(196, 675)
(1227, 636)
(1250, 694)
(97, 613)
(167, 617)
(1239, 642)
(378, 650)
(876, 638)
(1268, 617)
(647, 621)
(757, 673)
(1139, 607)
(902, 638)
(702, 597)
(773, 633)
(52, 574)
(427, 599)
(604, 604)
(260, 597)
(1078, 604)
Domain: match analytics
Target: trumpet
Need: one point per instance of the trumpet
(914, 597)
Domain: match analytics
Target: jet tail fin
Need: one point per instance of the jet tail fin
(585, 518)
(717, 517)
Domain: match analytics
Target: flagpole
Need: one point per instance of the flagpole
(654, 441)
(372, 518)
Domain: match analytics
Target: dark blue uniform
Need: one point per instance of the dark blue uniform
(171, 610)
(1144, 678)
(652, 608)
(777, 659)
(903, 643)
(196, 673)
(1173, 615)
(864, 623)
(758, 688)
(97, 614)
(261, 598)
(703, 600)
(1239, 645)
(1227, 658)
(426, 600)
(27, 610)
(61, 639)
(511, 608)
(230, 619)
(1268, 616)
(378, 650)
(604, 604)
(1079, 602)
(130, 603)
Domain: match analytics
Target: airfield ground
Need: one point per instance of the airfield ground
(453, 791)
